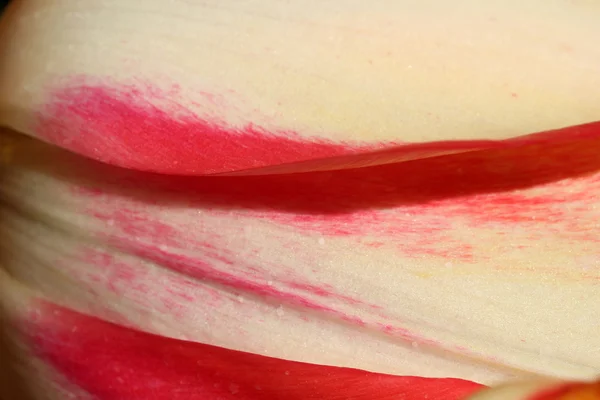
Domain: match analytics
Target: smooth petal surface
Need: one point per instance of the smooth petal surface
(121, 124)
(109, 362)
(208, 87)
(480, 266)
(465, 247)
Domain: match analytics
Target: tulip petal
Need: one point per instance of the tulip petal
(201, 88)
(476, 257)
(112, 363)
(119, 124)
(478, 266)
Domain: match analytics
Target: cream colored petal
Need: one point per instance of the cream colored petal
(486, 283)
(431, 269)
(407, 71)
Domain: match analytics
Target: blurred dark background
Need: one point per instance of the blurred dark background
(12, 386)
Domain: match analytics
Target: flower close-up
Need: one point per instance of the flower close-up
(266, 199)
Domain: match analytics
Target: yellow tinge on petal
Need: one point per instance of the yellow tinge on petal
(542, 390)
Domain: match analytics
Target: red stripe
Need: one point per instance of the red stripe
(119, 124)
(112, 362)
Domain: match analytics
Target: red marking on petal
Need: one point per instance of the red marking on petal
(111, 362)
(203, 275)
(122, 125)
(118, 124)
(413, 205)
(202, 269)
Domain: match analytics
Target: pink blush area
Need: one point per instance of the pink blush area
(111, 362)
(119, 124)
(123, 124)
